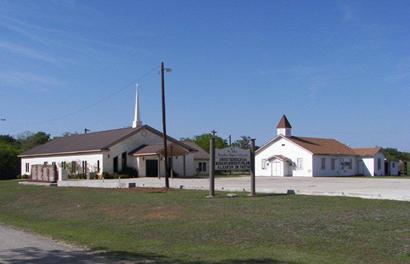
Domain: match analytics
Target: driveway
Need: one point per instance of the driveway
(371, 188)
(20, 247)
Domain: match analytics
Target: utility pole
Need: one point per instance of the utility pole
(212, 166)
(230, 140)
(164, 126)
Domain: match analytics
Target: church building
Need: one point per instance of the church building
(289, 155)
(140, 147)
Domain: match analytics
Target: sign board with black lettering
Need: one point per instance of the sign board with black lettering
(232, 158)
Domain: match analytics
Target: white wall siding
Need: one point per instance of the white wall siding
(340, 169)
(137, 140)
(368, 169)
(394, 168)
(90, 158)
(196, 166)
(379, 171)
(106, 158)
(128, 145)
(288, 149)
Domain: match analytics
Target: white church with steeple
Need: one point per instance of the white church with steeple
(289, 155)
(136, 151)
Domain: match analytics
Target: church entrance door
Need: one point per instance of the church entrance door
(152, 168)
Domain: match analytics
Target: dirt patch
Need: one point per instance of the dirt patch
(144, 190)
(161, 213)
(137, 189)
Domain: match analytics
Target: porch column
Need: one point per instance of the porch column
(159, 167)
(172, 162)
(184, 165)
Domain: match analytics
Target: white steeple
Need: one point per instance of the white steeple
(137, 114)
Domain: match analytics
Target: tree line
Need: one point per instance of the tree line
(203, 141)
(11, 147)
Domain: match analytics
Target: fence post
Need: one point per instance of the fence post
(253, 187)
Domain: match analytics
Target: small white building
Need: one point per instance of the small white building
(201, 159)
(288, 155)
(393, 168)
(139, 147)
(371, 162)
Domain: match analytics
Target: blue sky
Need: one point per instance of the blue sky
(338, 69)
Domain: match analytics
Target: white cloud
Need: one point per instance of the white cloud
(24, 80)
(27, 52)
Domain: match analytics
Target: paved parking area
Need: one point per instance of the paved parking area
(371, 188)
(21, 247)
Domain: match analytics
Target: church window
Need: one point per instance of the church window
(264, 164)
(299, 164)
(202, 166)
(27, 167)
(333, 164)
(84, 166)
(124, 160)
(379, 164)
(323, 163)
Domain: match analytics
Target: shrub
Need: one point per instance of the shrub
(107, 175)
(129, 172)
(78, 176)
(23, 177)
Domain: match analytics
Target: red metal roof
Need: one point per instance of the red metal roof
(284, 123)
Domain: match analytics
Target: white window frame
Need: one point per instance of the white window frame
(299, 163)
(263, 164)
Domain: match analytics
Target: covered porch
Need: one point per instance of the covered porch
(151, 160)
(280, 165)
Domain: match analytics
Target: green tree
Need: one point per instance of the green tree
(29, 140)
(9, 162)
(244, 142)
(395, 154)
(11, 147)
(203, 141)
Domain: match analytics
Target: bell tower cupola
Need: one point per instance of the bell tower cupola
(284, 128)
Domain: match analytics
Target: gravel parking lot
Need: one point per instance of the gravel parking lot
(371, 188)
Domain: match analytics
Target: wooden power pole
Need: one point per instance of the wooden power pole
(212, 165)
(164, 126)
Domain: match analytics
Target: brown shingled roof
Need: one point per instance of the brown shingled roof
(91, 142)
(322, 146)
(367, 152)
(284, 123)
(200, 153)
(158, 149)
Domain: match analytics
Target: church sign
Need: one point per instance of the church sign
(232, 158)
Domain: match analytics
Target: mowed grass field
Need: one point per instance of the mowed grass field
(181, 226)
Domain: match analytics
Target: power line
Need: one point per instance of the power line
(139, 79)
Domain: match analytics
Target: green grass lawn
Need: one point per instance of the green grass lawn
(181, 226)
